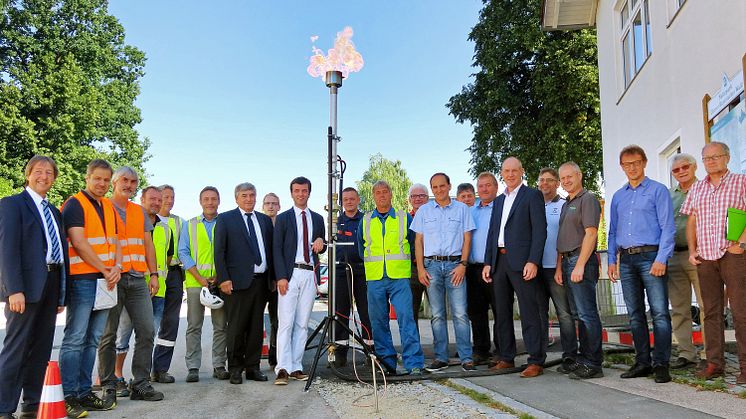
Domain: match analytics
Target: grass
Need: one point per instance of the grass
(717, 384)
(484, 399)
(619, 359)
(742, 394)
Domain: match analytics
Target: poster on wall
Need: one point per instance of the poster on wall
(731, 130)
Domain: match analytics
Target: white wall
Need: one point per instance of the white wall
(690, 55)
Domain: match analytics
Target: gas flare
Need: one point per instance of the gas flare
(342, 57)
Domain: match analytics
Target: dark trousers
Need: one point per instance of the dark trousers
(418, 292)
(169, 327)
(563, 307)
(728, 272)
(505, 282)
(479, 302)
(343, 298)
(27, 347)
(244, 311)
(272, 309)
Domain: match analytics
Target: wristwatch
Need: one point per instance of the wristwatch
(742, 245)
(119, 265)
(463, 262)
(154, 273)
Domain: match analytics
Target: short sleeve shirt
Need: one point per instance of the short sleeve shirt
(578, 213)
(553, 210)
(443, 227)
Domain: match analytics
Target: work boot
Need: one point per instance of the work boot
(221, 373)
(92, 402)
(73, 408)
(162, 377)
(144, 391)
(568, 365)
(110, 396)
(192, 375)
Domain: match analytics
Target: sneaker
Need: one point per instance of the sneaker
(122, 389)
(73, 408)
(282, 378)
(468, 366)
(162, 377)
(584, 372)
(193, 375)
(144, 391)
(437, 366)
(417, 372)
(111, 394)
(568, 365)
(92, 402)
(221, 373)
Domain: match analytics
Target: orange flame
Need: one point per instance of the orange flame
(342, 57)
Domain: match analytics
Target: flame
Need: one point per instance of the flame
(342, 57)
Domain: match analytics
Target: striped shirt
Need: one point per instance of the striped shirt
(710, 203)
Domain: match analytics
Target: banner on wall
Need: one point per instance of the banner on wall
(731, 130)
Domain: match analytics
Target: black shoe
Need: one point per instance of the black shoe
(468, 366)
(162, 377)
(235, 377)
(340, 360)
(144, 391)
(480, 359)
(110, 395)
(256, 375)
(25, 414)
(661, 374)
(637, 371)
(568, 365)
(437, 366)
(221, 373)
(584, 372)
(681, 362)
(193, 375)
(73, 409)
(92, 402)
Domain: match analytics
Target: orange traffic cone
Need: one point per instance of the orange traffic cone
(265, 346)
(392, 313)
(52, 404)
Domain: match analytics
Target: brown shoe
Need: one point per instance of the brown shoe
(532, 371)
(502, 365)
(709, 372)
(741, 379)
(282, 378)
(298, 375)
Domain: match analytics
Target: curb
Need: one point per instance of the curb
(514, 404)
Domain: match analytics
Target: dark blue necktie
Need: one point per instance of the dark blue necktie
(56, 251)
(253, 242)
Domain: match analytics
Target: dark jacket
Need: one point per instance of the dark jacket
(347, 233)
(23, 249)
(285, 241)
(525, 230)
(234, 260)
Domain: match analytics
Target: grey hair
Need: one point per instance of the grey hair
(723, 146)
(416, 186)
(573, 165)
(684, 157)
(381, 184)
(122, 171)
(246, 186)
(166, 186)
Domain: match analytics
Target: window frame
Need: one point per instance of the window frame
(626, 15)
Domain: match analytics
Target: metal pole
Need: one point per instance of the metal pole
(375, 385)
(334, 82)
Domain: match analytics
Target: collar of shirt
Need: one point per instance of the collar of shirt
(554, 200)
(514, 192)
(579, 194)
(480, 206)
(437, 205)
(35, 196)
(298, 211)
(708, 179)
(644, 184)
(163, 219)
(390, 213)
(358, 215)
(243, 213)
(205, 220)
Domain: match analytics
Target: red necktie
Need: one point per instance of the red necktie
(306, 253)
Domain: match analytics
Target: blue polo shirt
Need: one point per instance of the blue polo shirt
(553, 210)
(443, 227)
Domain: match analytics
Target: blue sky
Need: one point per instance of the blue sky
(226, 97)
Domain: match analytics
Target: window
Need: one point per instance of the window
(635, 37)
(670, 149)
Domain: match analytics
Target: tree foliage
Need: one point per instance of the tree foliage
(68, 83)
(535, 94)
(392, 172)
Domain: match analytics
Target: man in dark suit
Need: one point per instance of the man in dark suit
(243, 257)
(298, 240)
(33, 258)
(515, 244)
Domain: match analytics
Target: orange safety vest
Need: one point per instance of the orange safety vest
(103, 241)
(132, 239)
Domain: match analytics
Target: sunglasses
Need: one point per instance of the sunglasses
(682, 168)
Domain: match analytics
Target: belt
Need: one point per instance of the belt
(174, 267)
(571, 253)
(444, 258)
(260, 275)
(502, 250)
(303, 266)
(681, 248)
(54, 267)
(638, 249)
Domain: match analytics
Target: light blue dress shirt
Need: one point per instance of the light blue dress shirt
(443, 227)
(185, 252)
(481, 215)
(553, 210)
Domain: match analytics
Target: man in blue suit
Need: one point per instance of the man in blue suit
(515, 245)
(298, 239)
(243, 260)
(33, 263)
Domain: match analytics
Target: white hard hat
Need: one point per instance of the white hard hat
(209, 299)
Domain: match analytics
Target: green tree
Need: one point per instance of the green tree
(534, 95)
(68, 83)
(392, 172)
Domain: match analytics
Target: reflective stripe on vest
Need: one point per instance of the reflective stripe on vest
(200, 248)
(132, 239)
(161, 239)
(389, 250)
(101, 237)
(174, 223)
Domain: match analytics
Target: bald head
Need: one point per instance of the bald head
(512, 173)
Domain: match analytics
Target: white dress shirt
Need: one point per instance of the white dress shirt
(507, 205)
(40, 207)
(299, 247)
(258, 269)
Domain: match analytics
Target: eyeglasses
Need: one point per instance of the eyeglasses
(418, 196)
(547, 180)
(682, 168)
(272, 203)
(716, 157)
(630, 164)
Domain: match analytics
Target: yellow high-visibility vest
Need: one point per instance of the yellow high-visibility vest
(389, 248)
(201, 250)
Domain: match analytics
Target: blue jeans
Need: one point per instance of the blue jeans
(125, 329)
(585, 309)
(83, 330)
(440, 286)
(637, 282)
(397, 291)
